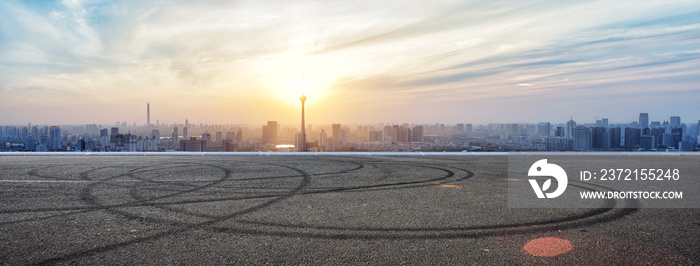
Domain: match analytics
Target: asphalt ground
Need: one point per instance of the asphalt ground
(310, 210)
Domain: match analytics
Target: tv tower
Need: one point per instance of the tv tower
(148, 114)
(303, 126)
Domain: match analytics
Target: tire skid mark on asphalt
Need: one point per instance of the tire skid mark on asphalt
(305, 181)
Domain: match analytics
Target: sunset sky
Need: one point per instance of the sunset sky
(78, 62)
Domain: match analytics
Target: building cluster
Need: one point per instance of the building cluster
(93, 138)
(641, 135)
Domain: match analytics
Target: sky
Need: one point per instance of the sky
(247, 62)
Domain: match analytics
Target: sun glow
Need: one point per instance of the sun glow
(290, 78)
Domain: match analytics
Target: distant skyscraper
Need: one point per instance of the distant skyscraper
(270, 133)
(239, 136)
(675, 121)
(648, 142)
(605, 122)
(174, 138)
(155, 136)
(468, 128)
(387, 133)
(615, 137)
(104, 137)
(658, 133)
(114, 131)
(418, 134)
(677, 134)
(29, 144)
(193, 145)
(570, 126)
(206, 137)
(219, 138)
(582, 138)
(302, 137)
(343, 138)
(559, 132)
(336, 131)
(184, 133)
(55, 138)
(404, 134)
(323, 139)
(632, 138)
(148, 114)
(599, 138)
(543, 128)
(643, 121)
(375, 135)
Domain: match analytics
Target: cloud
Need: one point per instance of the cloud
(410, 57)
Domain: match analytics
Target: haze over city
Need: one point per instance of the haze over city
(79, 62)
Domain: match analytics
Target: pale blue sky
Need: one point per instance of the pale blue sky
(64, 62)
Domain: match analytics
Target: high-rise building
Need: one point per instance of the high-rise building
(239, 136)
(155, 136)
(658, 133)
(184, 133)
(323, 139)
(570, 126)
(330, 144)
(543, 129)
(395, 132)
(677, 134)
(336, 131)
(648, 142)
(206, 137)
(404, 134)
(174, 137)
(599, 138)
(148, 114)
(418, 134)
(675, 121)
(668, 140)
(582, 138)
(605, 122)
(193, 145)
(615, 137)
(55, 138)
(375, 135)
(632, 138)
(643, 121)
(386, 133)
(29, 144)
(302, 136)
(559, 132)
(343, 138)
(468, 128)
(104, 137)
(219, 138)
(270, 133)
(113, 133)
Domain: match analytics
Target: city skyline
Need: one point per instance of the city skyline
(73, 62)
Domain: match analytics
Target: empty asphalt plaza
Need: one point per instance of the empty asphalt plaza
(311, 209)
